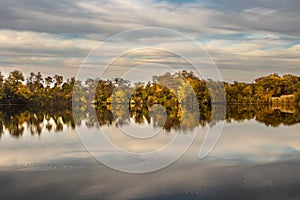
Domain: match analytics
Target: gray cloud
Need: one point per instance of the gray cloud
(236, 5)
(107, 17)
(61, 33)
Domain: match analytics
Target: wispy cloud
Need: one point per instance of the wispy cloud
(43, 35)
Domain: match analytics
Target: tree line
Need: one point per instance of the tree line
(169, 90)
(35, 89)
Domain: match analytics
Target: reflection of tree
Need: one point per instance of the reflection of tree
(104, 116)
(16, 119)
(139, 114)
(13, 122)
(263, 114)
(189, 119)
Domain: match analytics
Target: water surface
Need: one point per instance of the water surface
(256, 157)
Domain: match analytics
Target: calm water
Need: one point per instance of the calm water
(257, 155)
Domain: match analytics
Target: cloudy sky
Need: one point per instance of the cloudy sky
(245, 39)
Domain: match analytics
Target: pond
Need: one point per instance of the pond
(44, 153)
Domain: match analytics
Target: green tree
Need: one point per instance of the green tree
(11, 86)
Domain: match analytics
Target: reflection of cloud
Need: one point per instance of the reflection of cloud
(255, 142)
(250, 141)
(58, 164)
(32, 150)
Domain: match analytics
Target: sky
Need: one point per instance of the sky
(244, 39)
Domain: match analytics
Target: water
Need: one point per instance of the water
(42, 156)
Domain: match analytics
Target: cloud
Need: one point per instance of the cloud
(262, 35)
(31, 51)
(254, 58)
(108, 17)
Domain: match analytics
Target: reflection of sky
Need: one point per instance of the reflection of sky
(251, 141)
(250, 160)
(239, 142)
(35, 149)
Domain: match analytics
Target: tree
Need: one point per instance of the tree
(11, 86)
(48, 81)
(58, 80)
(1, 79)
(1, 87)
(15, 77)
(67, 89)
